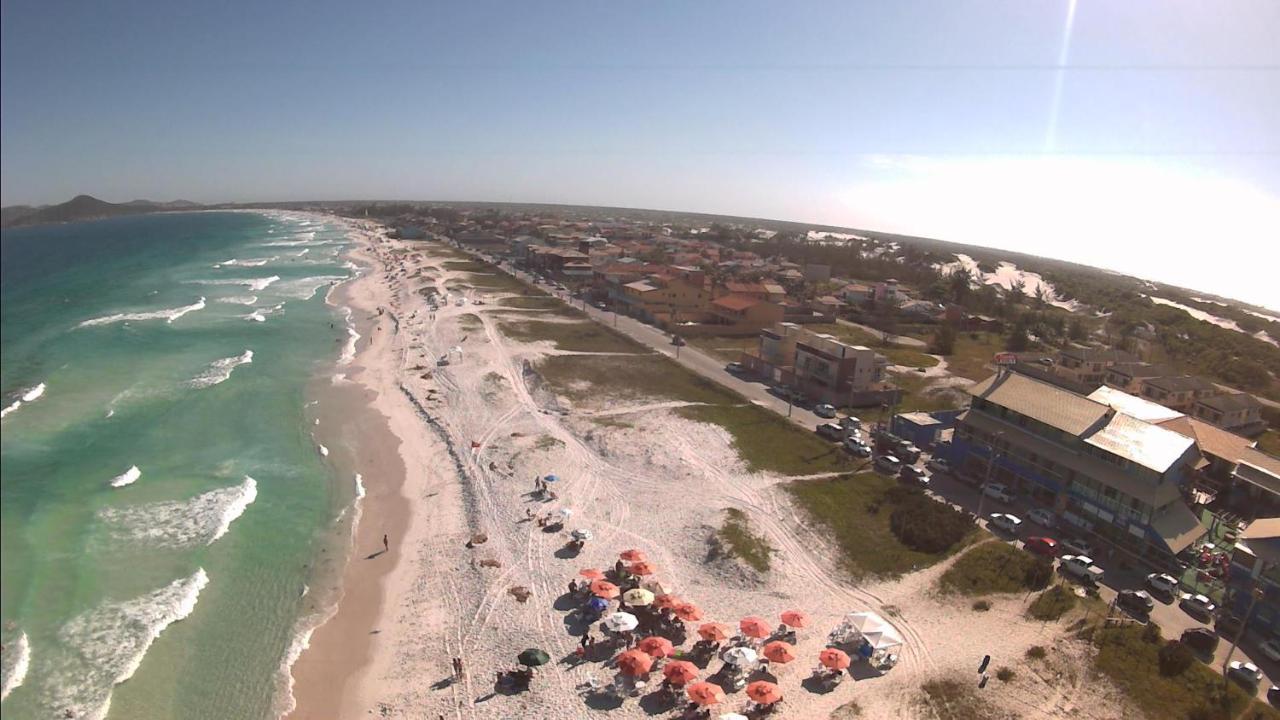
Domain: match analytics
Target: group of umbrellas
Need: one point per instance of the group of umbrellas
(640, 660)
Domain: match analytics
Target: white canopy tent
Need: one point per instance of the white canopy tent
(872, 636)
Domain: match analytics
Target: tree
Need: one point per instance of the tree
(961, 283)
(943, 341)
(1018, 340)
(1076, 330)
(886, 320)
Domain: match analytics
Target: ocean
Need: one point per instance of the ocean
(165, 507)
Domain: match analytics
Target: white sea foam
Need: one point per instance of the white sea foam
(253, 262)
(17, 660)
(302, 252)
(324, 451)
(106, 645)
(239, 299)
(28, 396)
(168, 315)
(128, 477)
(198, 521)
(349, 349)
(304, 288)
(254, 284)
(220, 370)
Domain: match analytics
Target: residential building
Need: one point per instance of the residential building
(1238, 412)
(1255, 567)
(745, 314)
(1088, 366)
(1179, 392)
(679, 294)
(1128, 376)
(820, 366)
(1109, 474)
(857, 293)
(1257, 482)
(479, 238)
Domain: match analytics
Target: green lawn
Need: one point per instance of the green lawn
(741, 543)
(989, 568)
(574, 336)
(585, 378)
(1129, 658)
(767, 441)
(532, 302)
(466, 265)
(853, 513)
(728, 349)
(972, 356)
(1052, 604)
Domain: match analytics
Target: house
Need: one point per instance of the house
(772, 292)
(1128, 376)
(1110, 475)
(1179, 392)
(744, 313)
(1088, 366)
(820, 367)
(1257, 477)
(1238, 412)
(678, 294)
(857, 293)
(479, 238)
(1255, 573)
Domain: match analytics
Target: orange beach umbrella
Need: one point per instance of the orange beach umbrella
(834, 658)
(635, 662)
(764, 692)
(632, 555)
(705, 693)
(591, 574)
(656, 646)
(680, 672)
(642, 568)
(779, 652)
(604, 589)
(755, 627)
(666, 601)
(688, 612)
(715, 632)
(795, 619)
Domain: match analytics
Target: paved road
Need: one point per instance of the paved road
(1173, 621)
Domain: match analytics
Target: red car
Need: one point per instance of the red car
(1042, 546)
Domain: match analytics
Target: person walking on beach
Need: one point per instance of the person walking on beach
(386, 546)
(457, 668)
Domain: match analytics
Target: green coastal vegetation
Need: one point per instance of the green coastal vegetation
(740, 542)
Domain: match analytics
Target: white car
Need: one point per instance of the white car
(1080, 567)
(1271, 649)
(1198, 606)
(997, 491)
(1042, 517)
(1245, 673)
(889, 464)
(1006, 522)
(1162, 583)
(939, 466)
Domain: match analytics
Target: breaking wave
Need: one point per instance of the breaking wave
(220, 370)
(254, 284)
(128, 477)
(254, 262)
(16, 661)
(304, 288)
(167, 315)
(28, 396)
(239, 299)
(200, 520)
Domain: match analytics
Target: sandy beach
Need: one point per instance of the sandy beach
(450, 452)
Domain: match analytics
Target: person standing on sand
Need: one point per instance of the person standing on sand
(386, 546)
(457, 667)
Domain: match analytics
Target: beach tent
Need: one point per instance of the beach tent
(878, 633)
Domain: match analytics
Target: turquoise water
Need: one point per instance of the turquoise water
(176, 595)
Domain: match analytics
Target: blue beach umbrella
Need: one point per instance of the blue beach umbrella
(598, 604)
(551, 478)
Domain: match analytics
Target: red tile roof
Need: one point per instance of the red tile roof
(736, 302)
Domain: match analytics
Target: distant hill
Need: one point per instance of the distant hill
(85, 207)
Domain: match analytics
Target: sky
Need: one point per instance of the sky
(1140, 136)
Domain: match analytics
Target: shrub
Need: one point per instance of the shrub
(1052, 604)
(1038, 574)
(1005, 674)
(992, 567)
(1151, 633)
(1175, 658)
(981, 605)
(923, 524)
(1036, 652)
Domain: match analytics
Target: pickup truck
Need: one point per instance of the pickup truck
(1082, 568)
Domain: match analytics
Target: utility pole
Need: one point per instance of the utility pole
(991, 465)
(1254, 596)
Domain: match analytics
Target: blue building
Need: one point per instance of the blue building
(1114, 477)
(1255, 563)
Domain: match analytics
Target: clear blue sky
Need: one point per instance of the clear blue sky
(1148, 131)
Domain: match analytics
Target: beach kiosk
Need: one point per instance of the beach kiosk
(871, 637)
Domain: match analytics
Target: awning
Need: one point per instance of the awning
(1178, 527)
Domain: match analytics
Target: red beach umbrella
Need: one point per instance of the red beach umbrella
(705, 693)
(656, 646)
(779, 652)
(680, 672)
(714, 632)
(834, 659)
(632, 555)
(755, 627)
(795, 619)
(635, 662)
(604, 589)
(688, 612)
(642, 568)
(764, 692)
(666, 601)
(591, 574)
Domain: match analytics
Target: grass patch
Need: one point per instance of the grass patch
(996, 567)
(531, 302)
(583, 378)
(547, 442)
(470, 321)
(1052, 604)
(728, 349)
(1005, 674)
(1269, 442)
(574, 336)
(1036, 652)
(465, 265)
(1129, 656)
(972, 356)
(769, 442)
(855, 515)
(981, 606)
(613, 422)
(956, 700)
(743, 544)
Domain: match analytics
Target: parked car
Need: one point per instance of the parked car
(1198, 606)
(1270, 650)
(857, 447)
(908, 452)
(1042, 546)
(1076, 546)
(1273, 696)
(1137, 602)
(825, 410)
(1082, 568)
(888, 464)
(600, 305)
(1043, 518)
(1245, 674)
(1228, 626)
(915, 474)
(736, 368)
(850, 422)
(1163, 584)
(998, 492)
(1202, 640)
(1005, 522)
(831, 431)
(938, 466)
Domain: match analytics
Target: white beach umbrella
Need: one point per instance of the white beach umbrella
(621, 622)
(566, 513)
(739, 656)
(733, 716)
(658, 587)
(581, 534)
